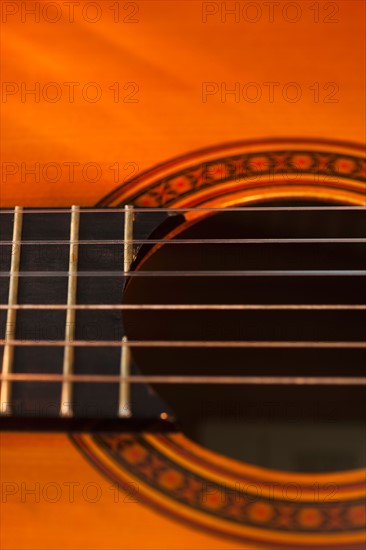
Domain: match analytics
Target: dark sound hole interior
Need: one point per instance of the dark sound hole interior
(296, 428)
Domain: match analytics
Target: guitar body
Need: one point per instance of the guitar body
(163, 491)
(76, 506)
(165, 73)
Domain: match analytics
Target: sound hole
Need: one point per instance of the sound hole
(294, 428)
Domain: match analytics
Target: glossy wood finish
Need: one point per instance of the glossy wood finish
(169, 53)
(115, 521)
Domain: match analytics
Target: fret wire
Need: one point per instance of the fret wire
(189, 307)
(173, 209)
(190, 343)
(69, 351)
(128, 239)
(124, 399)
(315, 240)
(8, 357)
(197, 273)
(197, 379)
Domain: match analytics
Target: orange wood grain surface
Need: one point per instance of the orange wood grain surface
(51, 467)
(169, 51)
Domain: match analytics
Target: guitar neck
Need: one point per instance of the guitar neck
(57, 261)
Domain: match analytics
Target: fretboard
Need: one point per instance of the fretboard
(65, 259)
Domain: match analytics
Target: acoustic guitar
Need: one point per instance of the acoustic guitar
(183, 364)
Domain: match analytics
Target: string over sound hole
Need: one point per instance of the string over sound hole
(276, 252)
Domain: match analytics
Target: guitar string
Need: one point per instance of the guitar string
(197, 273)
(189, 343)
(174, 379)
(190, 307)
(173, 209)
(346, 240)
